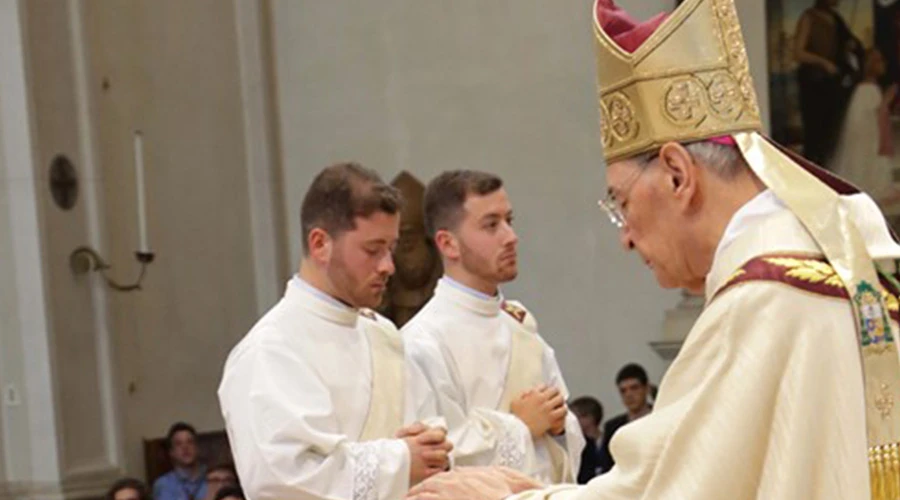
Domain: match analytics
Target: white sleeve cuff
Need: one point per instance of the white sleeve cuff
(364, 463)
(380, 469)
(511, 444)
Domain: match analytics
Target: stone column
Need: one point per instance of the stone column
(59, 430)
(676, 325)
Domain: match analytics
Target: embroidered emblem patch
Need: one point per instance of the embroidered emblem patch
(873, 320)
(515, 311)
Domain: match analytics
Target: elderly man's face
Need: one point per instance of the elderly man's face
(654, 218)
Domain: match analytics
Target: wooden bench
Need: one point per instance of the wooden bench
(213, 448)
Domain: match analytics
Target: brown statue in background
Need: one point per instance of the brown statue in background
(416, 259)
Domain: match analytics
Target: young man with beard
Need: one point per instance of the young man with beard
(315, 398)
(496, 381)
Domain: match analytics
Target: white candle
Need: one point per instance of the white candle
(143, 247)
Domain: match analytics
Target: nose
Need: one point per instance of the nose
(386, 265)
(511, 237)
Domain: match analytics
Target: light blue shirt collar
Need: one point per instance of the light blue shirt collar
(299, 282)
(471, 291)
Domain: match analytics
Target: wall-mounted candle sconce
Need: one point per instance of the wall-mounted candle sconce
(85, 259)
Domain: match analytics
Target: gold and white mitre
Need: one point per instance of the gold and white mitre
(685, 78)
(688, 81)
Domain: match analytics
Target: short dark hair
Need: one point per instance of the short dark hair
(587, 406)
(446, 194)
(632, 370)
(223, 466)
(128, 483)
(341, 193)
(230, 491)
(175, 429)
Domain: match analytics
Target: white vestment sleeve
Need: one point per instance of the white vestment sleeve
(480, 436)
(285, 436)
(573, 440)
(421, 403)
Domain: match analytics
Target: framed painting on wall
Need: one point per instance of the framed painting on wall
(816, 52)
(834, 69)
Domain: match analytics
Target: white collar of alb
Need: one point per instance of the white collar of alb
(760, 206)
(320, 302)
(473, 300)
(471, 291)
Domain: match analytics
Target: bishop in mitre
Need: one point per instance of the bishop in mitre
(786, 386)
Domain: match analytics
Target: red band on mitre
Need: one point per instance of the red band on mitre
(622, 29)
(723, 140)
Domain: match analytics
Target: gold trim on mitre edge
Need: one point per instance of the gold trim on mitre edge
(689, 81)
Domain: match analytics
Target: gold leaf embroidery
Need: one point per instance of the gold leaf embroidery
(890, 301)
(737, 274)
(808, 270)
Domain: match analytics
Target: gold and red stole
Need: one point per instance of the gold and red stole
(814, 274)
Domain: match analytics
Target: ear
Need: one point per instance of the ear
(447, 244)
(320, 245)
(683, 172)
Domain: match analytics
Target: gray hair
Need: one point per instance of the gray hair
(725, 161)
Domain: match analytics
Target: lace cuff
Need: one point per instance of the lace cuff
(511, 446)
(364, 464)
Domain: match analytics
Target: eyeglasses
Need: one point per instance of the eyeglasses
(614, 207)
